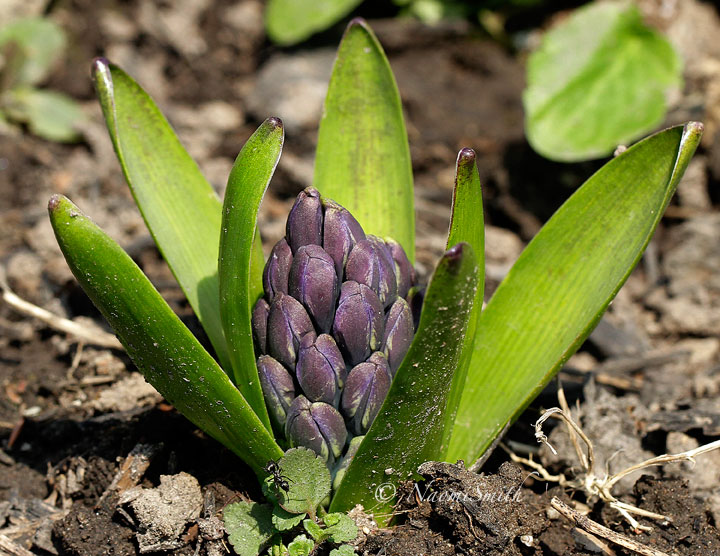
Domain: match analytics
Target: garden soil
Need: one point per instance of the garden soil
(93, 461)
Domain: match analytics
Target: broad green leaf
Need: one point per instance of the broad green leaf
(30, 47)
(283, 520)
(558, 289)
(179, 206)
(363, 158)
(339, 527)
(599, 79)
(292, 21)
(300, 546)
(249, 527)
(308, 478)
(165, 351)
(48, 114)
(466, 224)
(409, 428)
(247, 183)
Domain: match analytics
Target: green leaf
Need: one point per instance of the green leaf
(239, 285)
(284, 521)
(340, 527)
(409, 428)
(363, 158)
(343, 550)
(562, 283)
(180, 208)
(466, 224)
(599, 79)
(249, 527)
(301, 546)
(292, 21)
(165, 351)
(48, 114)
(308, 478)
(314, 530)
(30, 46)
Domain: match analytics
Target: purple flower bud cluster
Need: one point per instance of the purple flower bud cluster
(333, 326)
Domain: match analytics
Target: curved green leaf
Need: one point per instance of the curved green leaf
(165, 351)
(466, 224)
(363, 157)
(292, 21)
(250, 176)
(562, 283)
(410, 426)
(599, 79)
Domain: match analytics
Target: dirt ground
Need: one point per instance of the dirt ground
(79, 427)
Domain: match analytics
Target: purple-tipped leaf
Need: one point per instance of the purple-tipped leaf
(288, 322)
(340, 234)
(305, 221)
(278, 389)
(365, 389)
(314, 283)
(399, 331)
(277, 270)
(359, 324)
(321, 369)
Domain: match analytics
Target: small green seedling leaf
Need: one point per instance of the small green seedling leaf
(164, 350)
(339, 527)
(240, 284)
(249, 527)
(561, 284)
(292, 21)
(48, 114)
(301, 546)
(409, 429)
(308, 478)
(314, 530)
(363, 157)
(283, 520)
(33, 45)
(600, 79)
(343, 550)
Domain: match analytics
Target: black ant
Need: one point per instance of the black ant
(278, 478)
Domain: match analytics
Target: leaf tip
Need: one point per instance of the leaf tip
(465, 156)
(54, 202)
(274, 122)
(357, 22)
(100, 68)
(693, 130)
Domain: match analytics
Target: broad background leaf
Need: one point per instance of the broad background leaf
(165, 351)
(248, 180)
(49, 114)
(38, 43)
(249, 526)
(363, 157)
(291, 21)
(562, 283)
(599, 79)
(410, 426)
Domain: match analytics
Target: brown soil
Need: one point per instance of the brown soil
(70, 415)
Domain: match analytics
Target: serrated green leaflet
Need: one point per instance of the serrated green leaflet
(562, 283)
(283, 520)
(308, 480)
(239, 285)
(165, 351)
(363, 157)
(180, 208)
(600, 79)
(249, 527)
(466, 224)
(291, 21)
(409, 428)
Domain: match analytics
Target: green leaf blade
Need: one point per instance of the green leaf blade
(249, 527)
(363, 157)
(562, 283)
(165, 351)
(291, 21)
(599, 79)
(180, 208)
(409, 428)
(240, 271)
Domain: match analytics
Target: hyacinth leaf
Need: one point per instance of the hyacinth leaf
(562, 283)
(180, 207)
(291, 21)
(466, 224)
(248, 180)
(164, 350)
(249, 526)
(363, 157)
(308, 480)
(409, 428)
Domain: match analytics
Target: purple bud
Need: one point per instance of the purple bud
(278, 388)
(363, 265)
(320, 369)
(277, 270)
(359, 323)
(317, 426)
(387, 285)
(399, 330)
(305, 221)
(415, 298)
(314, 283)
(404, 271)
(288, 322)
(364, 393)
(259, 324)
(340, 234)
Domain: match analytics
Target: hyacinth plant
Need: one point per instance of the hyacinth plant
(316, 347)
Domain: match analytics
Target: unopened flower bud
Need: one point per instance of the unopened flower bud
(314, 283)
(387, 283)
(277, 270)
(359, 324)
(399, 331)
(317, 426)
(278, 389)
(259, 324)
(365, 389)
(320, 369)
(305, 221)
(404, 271)
(340, 234)
(288, 322)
